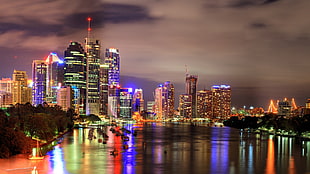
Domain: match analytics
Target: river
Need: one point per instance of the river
(169, 148)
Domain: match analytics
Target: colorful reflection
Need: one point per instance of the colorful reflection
(219, 151)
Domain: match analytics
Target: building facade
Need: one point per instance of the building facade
(75, 75)
(39, 77)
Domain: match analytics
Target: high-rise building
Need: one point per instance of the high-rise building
(65, 97)
(168, 100)
(75, 75)
(104, 87)
(191, 89)
(92, 49)
(21, 93)
(114, 101)
(6, 86)
(204, 104)
(221, 101)
(125, 103)
(137, 101)
(158, 106)
(185, 105)
(112, 59)
(39, 73)
(53, 77)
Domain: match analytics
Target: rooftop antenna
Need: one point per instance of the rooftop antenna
(186, 71)
(88, 32)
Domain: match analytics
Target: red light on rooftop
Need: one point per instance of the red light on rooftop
(89, 19)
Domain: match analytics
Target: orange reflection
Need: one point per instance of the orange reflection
(291, 168)
(270, 157)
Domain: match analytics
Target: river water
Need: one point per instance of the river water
(170, 148)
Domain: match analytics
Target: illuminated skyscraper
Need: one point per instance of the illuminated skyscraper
(168, 100)
(204, 104)
(21, 92)
(221, 101)
(164, 101)
(137, 101)
(112, 58)
(6, 86)
(92, 49)
(125, 102)
(191, 89)
(158, 106)
(75, 74)
(185, 105)
(39, 76)
(114, 101)
(104, 87)
(65, 97)
(54, 65)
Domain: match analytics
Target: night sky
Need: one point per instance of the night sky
(258, 47)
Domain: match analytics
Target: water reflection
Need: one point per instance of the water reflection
(170, 148)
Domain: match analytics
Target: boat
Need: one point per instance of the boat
(37, 154)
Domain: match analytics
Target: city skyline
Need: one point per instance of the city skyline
(244, 44)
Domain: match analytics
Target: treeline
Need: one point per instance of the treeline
(21, 122)
(276, 122)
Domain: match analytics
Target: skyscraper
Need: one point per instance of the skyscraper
(39, 73)
(92, 49)
(75, 74)
(221, 101)
(21, 93)
(138, 101)
(158, 105)
(104, 87)
(168, 99)
(191, 89)
(125, 103)
(53, 78)
(204, 104)
(112, 59)
(185, 105)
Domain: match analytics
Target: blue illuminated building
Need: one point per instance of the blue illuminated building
(39, 73)
(125, 102)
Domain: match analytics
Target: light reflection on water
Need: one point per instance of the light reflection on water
(170, 148)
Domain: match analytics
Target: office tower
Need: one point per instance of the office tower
(21, 93)
(6, 85)
(53, 77)
(185, 105)
(204, 104)
(112, 58)
(125, 103)
(191, 89)
(5, 99)
(221, 101)
(75, 74)
(150, 108)
(168, 100)
(137, 101)
(158, 106)
(114, 101)
(65, 97)
(104, 87)
(92, 49)
(39, 76)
